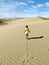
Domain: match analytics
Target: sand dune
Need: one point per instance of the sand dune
(38, 18)
(16, 50)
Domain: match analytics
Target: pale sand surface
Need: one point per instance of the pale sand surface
(14, 47)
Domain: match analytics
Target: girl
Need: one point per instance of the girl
(26, 31)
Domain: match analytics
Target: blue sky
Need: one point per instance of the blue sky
(24, 8)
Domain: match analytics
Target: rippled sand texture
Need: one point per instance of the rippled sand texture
(16, 50)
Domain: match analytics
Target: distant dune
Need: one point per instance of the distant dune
(38, 18)
(7, 20)
(13, 20)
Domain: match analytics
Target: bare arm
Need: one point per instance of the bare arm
(24, 30)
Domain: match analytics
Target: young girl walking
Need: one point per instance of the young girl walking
(26, 31)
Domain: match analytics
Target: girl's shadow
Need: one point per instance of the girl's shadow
(36, 37)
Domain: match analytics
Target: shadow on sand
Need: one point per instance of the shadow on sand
(36, 37)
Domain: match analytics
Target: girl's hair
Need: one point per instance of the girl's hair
(26, 26)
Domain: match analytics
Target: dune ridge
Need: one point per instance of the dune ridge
(38, 18)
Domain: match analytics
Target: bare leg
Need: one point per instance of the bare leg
(26, 36)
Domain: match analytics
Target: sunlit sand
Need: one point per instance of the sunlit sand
(16, 50)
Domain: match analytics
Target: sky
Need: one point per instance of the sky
(24, 8)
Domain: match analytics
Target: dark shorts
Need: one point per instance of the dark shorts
(26, 34)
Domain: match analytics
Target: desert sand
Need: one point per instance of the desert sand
(16, 50)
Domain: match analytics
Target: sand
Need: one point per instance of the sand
(16, 50)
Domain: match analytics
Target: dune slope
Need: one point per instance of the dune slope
(16, 50)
